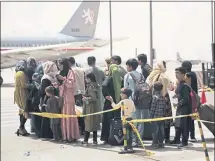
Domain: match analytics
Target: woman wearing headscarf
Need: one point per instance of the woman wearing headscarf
(111, 87)
(31, 67)
(48, 79)
(66, 77)
(21, 94)
(35, 99)
(159, 74)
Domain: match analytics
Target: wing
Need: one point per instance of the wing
(51, 52)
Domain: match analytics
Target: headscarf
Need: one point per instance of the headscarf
(66, 68)
(21, 65)
(158, 74)
(114, 71)
(50, 71)
(31, 62)
(37, 76)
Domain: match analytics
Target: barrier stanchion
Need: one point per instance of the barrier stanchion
(203, 138)
(125, 146)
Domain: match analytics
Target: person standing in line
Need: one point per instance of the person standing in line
(117, 60)
(130, 80)
(92, 123)
(111, 87)
(145, 67)
(100, 77)
(194, 86)
(184, 107)
(48, 79)
(66, 77)
(31, 67)
(158, 108)
(79, 89)
(21, 94)
(159, 74)
(128, 112)
(53, 106)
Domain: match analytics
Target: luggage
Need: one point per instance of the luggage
(116, 133)
(206, 112)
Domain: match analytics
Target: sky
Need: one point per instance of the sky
(177, 26)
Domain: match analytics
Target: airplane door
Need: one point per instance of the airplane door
(62, 40)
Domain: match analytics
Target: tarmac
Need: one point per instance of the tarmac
(14, 148)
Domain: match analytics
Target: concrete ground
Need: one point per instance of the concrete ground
(15, 148)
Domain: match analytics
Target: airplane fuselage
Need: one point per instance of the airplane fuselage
(8, 43)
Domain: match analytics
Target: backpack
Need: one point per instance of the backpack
(195, 100)
(142, 95)
(116, 136)
(146, 70)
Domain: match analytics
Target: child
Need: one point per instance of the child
(54, 107)
(91, 105)
(184, 107)
(158, 108)
(128, 112)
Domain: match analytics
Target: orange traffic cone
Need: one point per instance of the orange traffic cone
(203, 97)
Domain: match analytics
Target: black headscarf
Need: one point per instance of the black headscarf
(66, 68)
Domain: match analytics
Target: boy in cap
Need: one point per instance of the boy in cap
(129, 109)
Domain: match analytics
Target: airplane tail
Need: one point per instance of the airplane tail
(179, 57)
(84, 20)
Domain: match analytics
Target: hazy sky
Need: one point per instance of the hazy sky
(178, 27)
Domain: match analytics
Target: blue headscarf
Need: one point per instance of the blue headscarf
(21, 65)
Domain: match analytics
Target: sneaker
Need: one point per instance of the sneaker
(193, 140)
(185, 144)
(179, 146)
(131, 150)
(167, 142)
(154, 146)
(134, 144)
(84, 143)
(173, 142)
(161, 145)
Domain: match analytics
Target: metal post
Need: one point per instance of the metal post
(203, 139)
(213, 31)
(203, 74)
(135, 52)
(151, 32)
(111, 38)
(125, 146)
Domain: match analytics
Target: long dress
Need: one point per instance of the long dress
(92, 123)
(46, 131)
(108, 90)
(21, 91)
(70, 128)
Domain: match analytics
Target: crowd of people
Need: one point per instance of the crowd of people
(59, 86)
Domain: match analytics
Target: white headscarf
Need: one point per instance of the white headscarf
(159, 74)
(50, 71)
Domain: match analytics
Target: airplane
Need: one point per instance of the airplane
(194, 62)
(80, 28)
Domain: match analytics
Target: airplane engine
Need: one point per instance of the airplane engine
(62, 41)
